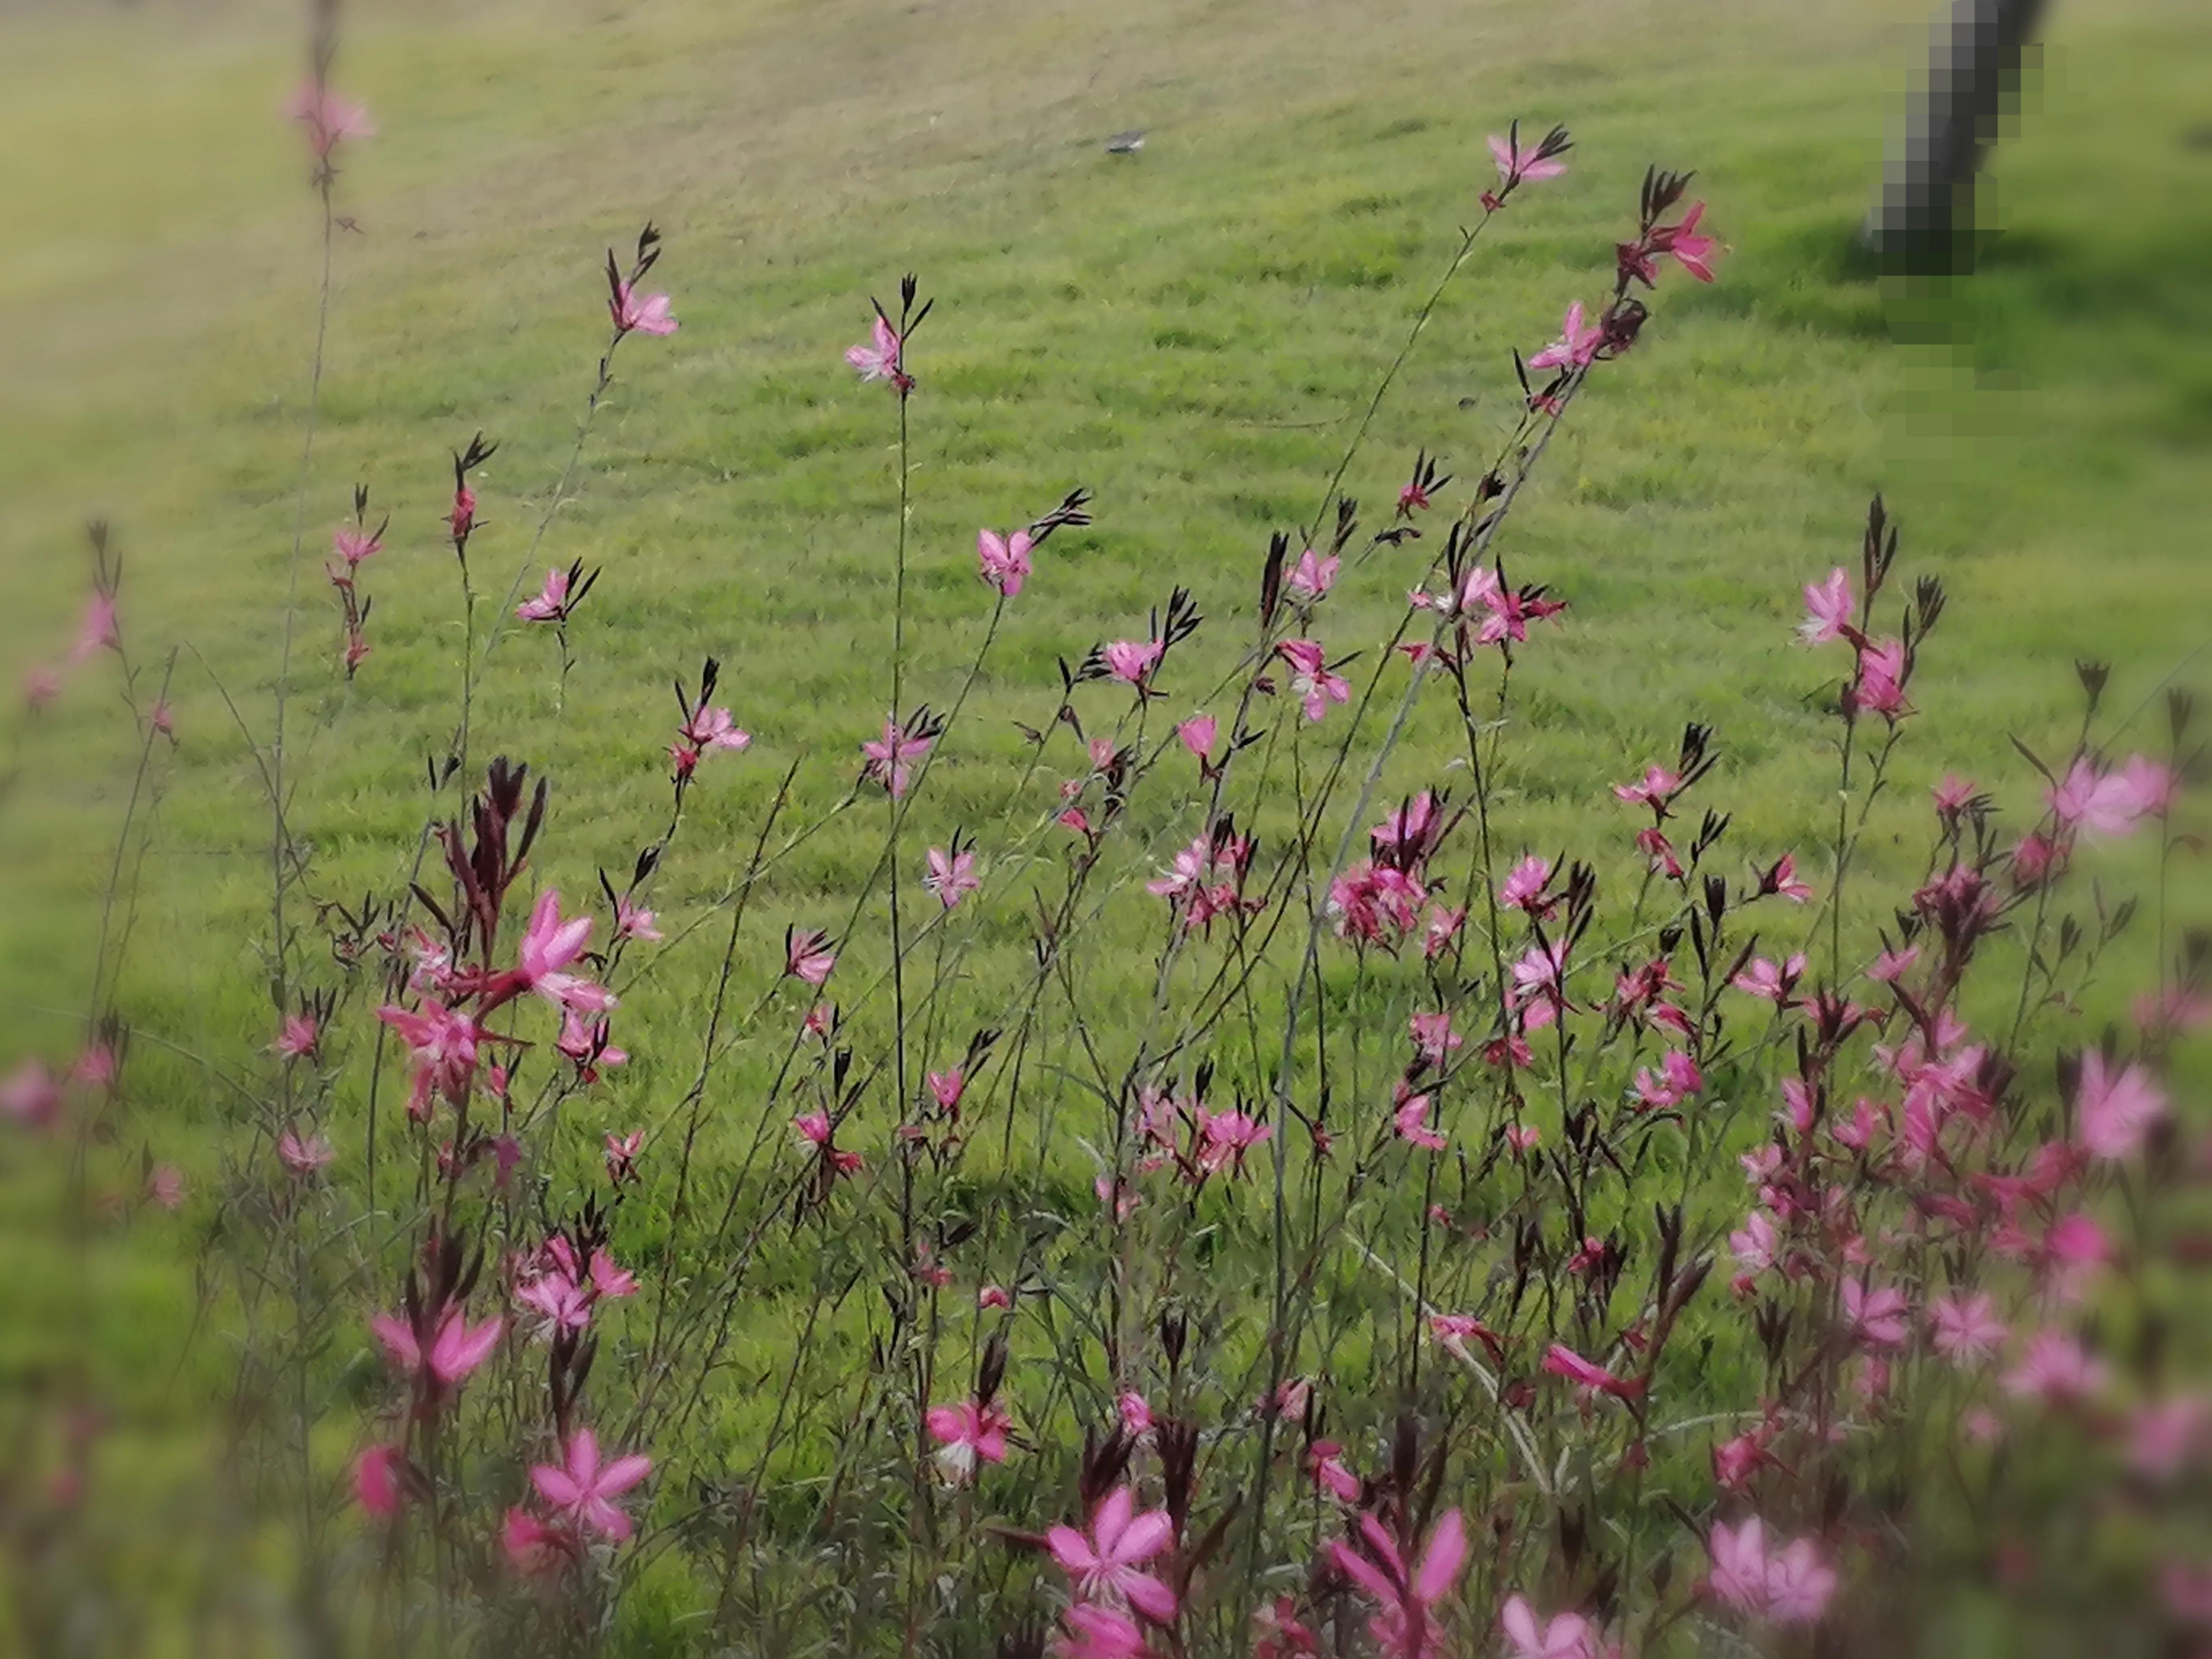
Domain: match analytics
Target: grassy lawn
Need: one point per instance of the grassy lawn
(1190, 334)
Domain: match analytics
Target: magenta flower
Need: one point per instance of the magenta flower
(584, 1488)
(1131, 660)
(880, 360)
(1106, 1565)
(1577, 346)
(951, 876)
(808, 955)
(1410, 1123)
(709, 729)
(451, 1353)
(328, 118)
(889, 758)
(1656, 789)
(1765, 980)
(1677, 1080)
(1828, 607)
(649, 315)
(1325, 1462)
(1004, 559)
(1434, 1038)
(1197, 733)
(970, 1432)
(534, 1548)
(1224, 1138)
(442, 1044)
(2116, 1113)
(1880, 687)
(1405, 1624)
(1691, 251)
(552, 603)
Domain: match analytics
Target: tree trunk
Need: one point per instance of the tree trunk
(1923, 225)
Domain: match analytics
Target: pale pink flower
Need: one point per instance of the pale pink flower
(1522, 163)
(99, 631)
(1656, 789)
(1434, 1038)
(1224, 1138)
(1098, 1632)
(649, 315)
(1953, 794)
(951, 876)
(1577, 346)
(354, 543)
(1783, 880)
(1136, 1414)
(1411, 1122)
(1828, 607)
(303, 1157)
(1758, 1246)
(1133, 660)
(1310, 678)
(329, 118)
(2106, 805)
(709, 729)
(1442, 928)
(165, 1186)
(1799, 1583)
(966, 1433)
(441, 1043)
(1880, 683)
(2165, 1436)
(1312, 577)
(549, 946)
(1106, 1565)
(2151, 785)
(890, 759)
(1528, 1636)
(634, 922)
(1964, 1327)
(1197, 733)
(622, 1153)
(1405, 1625)
(1452, 1332)
(552, 602)
(1679, 1079)
(880, 360)
(1791, 1585)
(1004, 559)
(1878, 1317)
(1891, 965)
(31, 1094)
(1765, 980)
(807, 954)
(2055, 1368)
(584, 1488)
(2115, 1112)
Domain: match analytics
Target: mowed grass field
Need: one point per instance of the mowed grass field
(1188, 332)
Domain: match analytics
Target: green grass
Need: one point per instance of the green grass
(1185, 332)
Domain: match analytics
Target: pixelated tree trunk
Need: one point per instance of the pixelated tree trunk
(1924, 222)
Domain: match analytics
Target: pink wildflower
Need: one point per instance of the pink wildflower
(951, 876)
(649, 315)
(1004, 559)
(808, 955)
(2115, 1112)
(1405, 1625)
(970, 1432)
(1106, 1564)
(1131, 660)
(584, 1488)
(1577, 346)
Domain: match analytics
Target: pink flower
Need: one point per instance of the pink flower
(1310, 678)
(1891, 965)
(1965, 1328)
(584, 1488)
(994, 1296)
(1224, 1138)
(1758, 1246)
(1105, 1565)
(1197, 733)
(457, 1349)
(1100, 1632)
(1953, 794)
(2151, 785)
(165, 1186)
(328, 118)
(299, 1037)
(1828, 607)
(552, 600)
(1568, 1636)
(533, 1547)
(1451, 1332)
(2165, 1435)
(1765, 980)
(1789, 1586)
(1411, 1123)
(442, 1044)
(1325, 1462)
(2115, 1112)
(303, 1157)
(1442, 927)
(1560, 1360)
(1577, 346)
(1799, 1584)
(649, 315)
(965, 1433)
(1135, 1413)
(1878, 1318)
(354, 543)
(1312, 577)
(549, 945)
(1656, 789)
(99, 631)
(1131, 660)
(1523, 888)
(1520, 163)
(2105, 805)
(31, 1094)
(880, 360)
(1405, 1625)
(708, 729)
(1782, 880)
(2055, 1368)
(951, 876)
(1677, 1079)
(1004, 559)
(376, 1480)
(40, 687)
(1434, 1037)
(622, 1153)
(632, 922)
(890, 758)
(808, 955)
